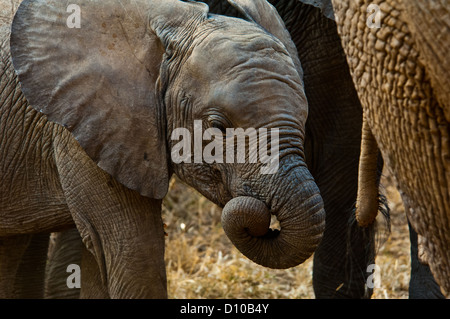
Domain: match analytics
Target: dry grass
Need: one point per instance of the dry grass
(202, 262)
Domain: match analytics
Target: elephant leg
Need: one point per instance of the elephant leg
(92, 286)
(30, 275)
(65, 249)
(22, 264)
(128, 247)
(346, 250)
(341, 261)
(422, 284)
(68, 249)
(121, 229)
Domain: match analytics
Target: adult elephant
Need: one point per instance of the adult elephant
(86, 136)
(397, 53)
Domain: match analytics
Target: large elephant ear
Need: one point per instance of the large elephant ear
(93, 67)
(264, 14)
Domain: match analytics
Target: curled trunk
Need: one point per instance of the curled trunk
(246, 222)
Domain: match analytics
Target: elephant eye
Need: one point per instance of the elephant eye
(218, 122)
(218, 125)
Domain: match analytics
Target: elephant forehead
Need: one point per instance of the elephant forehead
(262, 99)
(233, 49)
(246, 73)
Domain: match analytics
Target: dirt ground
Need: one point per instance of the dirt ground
(202, 262)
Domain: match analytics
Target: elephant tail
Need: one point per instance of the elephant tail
(368, 178)
(373, 236)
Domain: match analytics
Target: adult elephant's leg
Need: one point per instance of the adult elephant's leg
(332, 150)
(65, 249)
(29, 282)
(123, 230)
(422, 284)
(12, 250)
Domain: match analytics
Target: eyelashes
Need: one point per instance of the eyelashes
(219, 125)
(219, 122)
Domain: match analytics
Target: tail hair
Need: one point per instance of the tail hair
(373, 236)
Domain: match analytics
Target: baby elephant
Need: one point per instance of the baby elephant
(96, 121)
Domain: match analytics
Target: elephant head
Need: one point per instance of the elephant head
(131, 73)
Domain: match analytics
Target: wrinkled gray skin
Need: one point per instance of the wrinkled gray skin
(97, 154)
(333, 138)
(333, 133)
